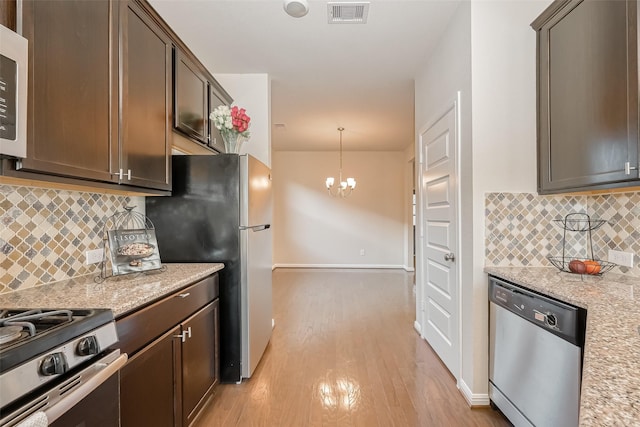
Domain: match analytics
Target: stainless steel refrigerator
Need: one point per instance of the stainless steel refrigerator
(220, 211)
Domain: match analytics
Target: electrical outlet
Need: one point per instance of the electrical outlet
(361, 252)
(93, 256)
(624, 259)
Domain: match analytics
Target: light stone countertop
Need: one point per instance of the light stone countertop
(121, 294)
(610, 393)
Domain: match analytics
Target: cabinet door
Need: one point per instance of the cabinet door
(150, 384)
(72, 109)
(145, 146)
(588, 96)
(190, 98)
(200, 360)
(215, 137)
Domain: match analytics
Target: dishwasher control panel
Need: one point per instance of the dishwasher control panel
(560, 318)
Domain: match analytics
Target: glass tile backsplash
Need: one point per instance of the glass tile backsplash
(520, 231)
(45, 233)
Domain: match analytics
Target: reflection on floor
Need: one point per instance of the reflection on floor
(344, 353)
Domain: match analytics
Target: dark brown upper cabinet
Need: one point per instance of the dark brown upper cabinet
(216, 99)
(99, 93)
(145, 144)
(72, 119)
(587, 84)
(190, 106)
(196, 94)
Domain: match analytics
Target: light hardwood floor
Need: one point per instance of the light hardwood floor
(344, 353)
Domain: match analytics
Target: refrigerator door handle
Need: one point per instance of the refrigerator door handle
(260, 227)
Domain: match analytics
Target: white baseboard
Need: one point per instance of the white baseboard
(373, 266)
(409, 269)
(477, 399)
(418, 327)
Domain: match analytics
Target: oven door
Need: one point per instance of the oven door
(90, 397)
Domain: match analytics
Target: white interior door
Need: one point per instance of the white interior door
(440, 296)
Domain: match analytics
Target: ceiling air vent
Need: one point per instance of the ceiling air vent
(348, 12)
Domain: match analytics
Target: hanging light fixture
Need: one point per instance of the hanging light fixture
(344, 188)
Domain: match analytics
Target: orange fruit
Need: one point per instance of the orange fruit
(592, 267)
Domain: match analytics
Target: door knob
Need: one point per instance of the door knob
(449, 257)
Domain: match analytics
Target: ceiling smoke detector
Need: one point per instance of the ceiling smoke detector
(296, 8)
(347, 12)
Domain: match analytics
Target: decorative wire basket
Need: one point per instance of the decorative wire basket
(563, 264)
(580, 222)
(128, 237)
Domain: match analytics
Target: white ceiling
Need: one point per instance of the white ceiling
(358, 76)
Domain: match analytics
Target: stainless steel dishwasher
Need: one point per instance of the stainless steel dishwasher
(535, 356)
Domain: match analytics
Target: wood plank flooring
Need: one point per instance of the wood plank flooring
(344, 353)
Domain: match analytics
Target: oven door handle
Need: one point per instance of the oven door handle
(74, 397)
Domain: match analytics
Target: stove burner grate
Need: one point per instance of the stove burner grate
(10, 333)
(35, 320)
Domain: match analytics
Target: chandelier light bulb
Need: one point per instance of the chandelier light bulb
(330, 182)
(351, 183)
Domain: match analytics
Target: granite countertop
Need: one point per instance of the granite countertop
(121, 294)
(611, 371)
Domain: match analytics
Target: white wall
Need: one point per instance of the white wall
(253, 93)
(448, 70)
(488, 53)
(504, 137)
(311, 228)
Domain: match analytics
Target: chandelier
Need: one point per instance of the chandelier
(344, 188)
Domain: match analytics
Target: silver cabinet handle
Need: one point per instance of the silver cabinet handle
(449, 257)
(186, 294)
(628, 168)
(120, 174)
(184, 335)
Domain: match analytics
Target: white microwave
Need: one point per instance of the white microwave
(13, 94)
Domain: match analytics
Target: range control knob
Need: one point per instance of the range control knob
(53, 364)
(551, 320)
(87, 346)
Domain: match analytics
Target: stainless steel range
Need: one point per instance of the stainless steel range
(52, 361)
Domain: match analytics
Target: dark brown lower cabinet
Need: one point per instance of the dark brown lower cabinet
(148, 384)
(173, 368)
(200, 363)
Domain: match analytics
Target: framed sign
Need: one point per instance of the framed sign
(133, 250)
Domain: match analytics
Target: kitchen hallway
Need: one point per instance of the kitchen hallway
(344, 353)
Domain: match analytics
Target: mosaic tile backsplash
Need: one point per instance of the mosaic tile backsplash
(520, 230)
(44, 233)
